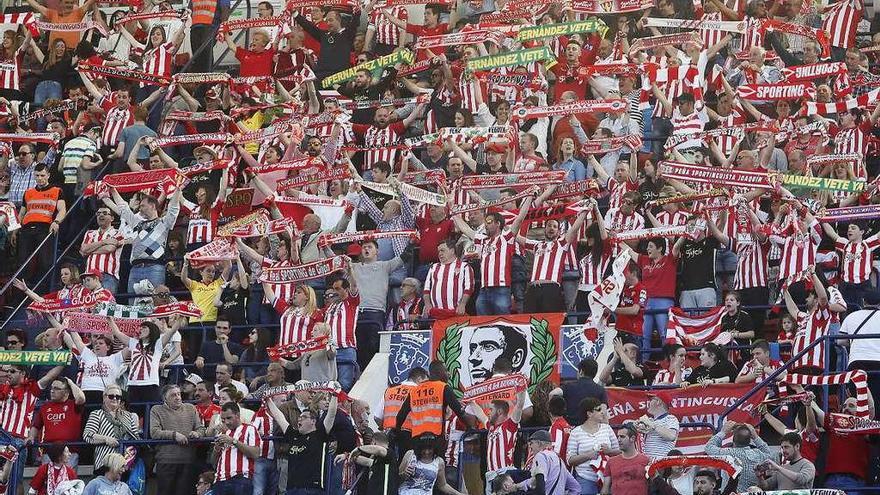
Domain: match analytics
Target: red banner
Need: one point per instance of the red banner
(469, 346)
(297, 349)
(100, 325)
(238, 202)
(693, 404)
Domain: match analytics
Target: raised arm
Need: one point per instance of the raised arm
(330, 417)
(39, 8)
(277, 415)
(117, 334)
(523, 211)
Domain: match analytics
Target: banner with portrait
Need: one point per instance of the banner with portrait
(578, 343)
(409, 350)
(693, 404)
(470, 345)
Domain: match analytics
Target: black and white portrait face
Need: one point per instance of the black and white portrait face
(488, 343)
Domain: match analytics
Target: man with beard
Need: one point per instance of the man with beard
(544, 293)
(797, 473)
(362, 88)
(382, 134)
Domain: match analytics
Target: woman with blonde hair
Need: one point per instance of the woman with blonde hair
(111, 480)
(109, 425)
(299, 314)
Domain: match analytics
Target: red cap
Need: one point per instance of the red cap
(94, 272)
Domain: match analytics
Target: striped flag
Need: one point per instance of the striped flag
(688, 330)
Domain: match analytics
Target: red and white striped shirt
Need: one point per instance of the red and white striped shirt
(840, 21)
(454, 433)
(342, 317)
(688, 124)
(144, 367)
(501, 440)
(201, 229)
(379, 139)
(116, 120)
(10, 70)
(495, 258)
(736, 117)
(811, 327)
(592, 274)
(264, 424)
(549, 257)
(799, 251)
(754, 35)
(448, 283)
(711, 36)
(157, 60)
(18, 407)
(851, 141)
(857, 258)
(232, 461)
(105, 262)
(283, 292)
(559, 433)
(386, 32)
(618, 221)
(616, 190)
(751, 264)
(295, 325)
(667, 377)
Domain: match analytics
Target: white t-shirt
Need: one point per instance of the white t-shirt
(98, 372)
(169, 348)
(238, 385)
(654, 445)
(144, 370)
(863, 349)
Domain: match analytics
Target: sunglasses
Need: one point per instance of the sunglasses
(114, 397)
(9, 370)
(24, 153)
(13, 342)
(163, 294)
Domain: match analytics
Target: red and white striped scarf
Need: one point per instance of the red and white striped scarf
(857, 377)
(861, 101)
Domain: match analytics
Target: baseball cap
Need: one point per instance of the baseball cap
(94, 272)
(194, 379)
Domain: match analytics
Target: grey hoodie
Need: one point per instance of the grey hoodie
(103, 486)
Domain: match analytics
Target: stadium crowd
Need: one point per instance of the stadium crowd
(236, 233)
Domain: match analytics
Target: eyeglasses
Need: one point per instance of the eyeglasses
(113, 397)
(24, 153)
(11, 370)
(163, 294)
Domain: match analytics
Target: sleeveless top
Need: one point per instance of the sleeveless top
(422, 482)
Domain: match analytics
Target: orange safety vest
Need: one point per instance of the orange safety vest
(203, 11)
(394, 399)
(40, 206)
(426, 404)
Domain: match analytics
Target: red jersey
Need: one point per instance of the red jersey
(255, 63)
(295, 325)
(632, 295)
(559, 433)
(60, 421)
(207, 412)
(437, 30)
(549, 258)
(658, 277)
(811, 327)
(379, 140)
(116, 120)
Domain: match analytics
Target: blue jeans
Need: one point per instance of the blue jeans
(655, 321)
(46, 90)
(335, 477)
(854, 294)
(369, 323)
(588, 487)
(234, 486)
(844, 482)
(155, 273)
(493, 301)
(347, 369)
(266, 477)
(697, 298)
(110, 283)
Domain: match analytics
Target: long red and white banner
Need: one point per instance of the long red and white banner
(577, 107)
(262, 229)
(781, 91)
(693, 404)
(297, 349)
(484, 391)
(220, 249)
(511, 180)
(90, 323)
(370, 235)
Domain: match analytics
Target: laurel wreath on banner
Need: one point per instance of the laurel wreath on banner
(448, 351)
(543, 350)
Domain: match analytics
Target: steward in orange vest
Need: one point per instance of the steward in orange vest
(427, 402)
